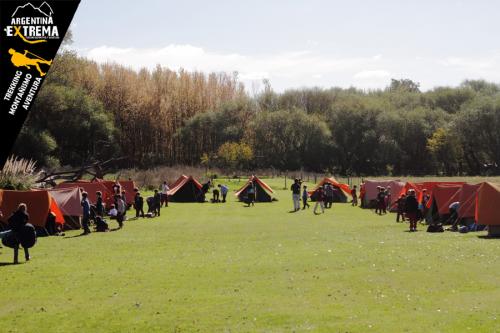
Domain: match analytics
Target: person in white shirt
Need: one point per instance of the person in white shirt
(121, 208)
(164, 194)
(113, 212)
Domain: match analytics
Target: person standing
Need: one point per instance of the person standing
(305, 196)
(354, 195)
(139, 205)
(295, 188)
(99, 205)
(320, 200)
(16, 223)
(400, 204)
(223, 191)
(86, 213)
(251, 194)
(164, 194)
(121, 208)
(156, 203)
(411, 208)
(328, 195)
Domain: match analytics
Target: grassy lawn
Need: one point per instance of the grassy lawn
(227, 268)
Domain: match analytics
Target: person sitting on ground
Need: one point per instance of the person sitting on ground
(139, 205)
(121, 208)
(86, 213)
(215, 195)
(99, 204)
(354, 195)
(223, 191)
(156, 203)
(101, 225)
(113, 212)
(400, 204)
(305, 197)
(411, 209)
(320, 200)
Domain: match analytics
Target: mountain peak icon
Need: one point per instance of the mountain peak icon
(29, 10)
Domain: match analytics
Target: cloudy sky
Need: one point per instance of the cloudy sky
(299, 43)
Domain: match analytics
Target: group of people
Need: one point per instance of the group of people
(324, 196)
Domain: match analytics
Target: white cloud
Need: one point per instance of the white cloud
(374, 74)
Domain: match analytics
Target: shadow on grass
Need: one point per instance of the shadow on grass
(9, 263)
(75, 236)
(488, 237)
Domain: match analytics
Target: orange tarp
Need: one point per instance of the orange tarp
(487, 204)
(39, 204)
(69, 200)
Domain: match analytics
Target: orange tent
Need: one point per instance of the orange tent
(39, 204)
(128, 186)
(441, 195)
(185, 189)
(91, 188)
(467, 199)
(487, 204)
(261, 190)
(343, 188)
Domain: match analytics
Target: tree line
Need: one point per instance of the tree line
(88, 111)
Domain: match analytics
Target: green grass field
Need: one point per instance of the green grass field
(228, 268)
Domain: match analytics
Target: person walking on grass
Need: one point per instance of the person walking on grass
(295, 188)
(139, 205)
(354, 195)
(320, 200)
(411, 209)
(305, 197)
(85, 213)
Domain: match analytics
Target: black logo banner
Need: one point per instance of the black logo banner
(31, 34)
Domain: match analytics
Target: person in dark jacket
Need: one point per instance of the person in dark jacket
(16, 223)
(400, 203)
(320, 200)
(85, 213)
(411, 208)
(99, 205)
(139, 205)
(156, 203)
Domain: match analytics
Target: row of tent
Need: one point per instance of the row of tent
(478, 202)
(64, 201)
